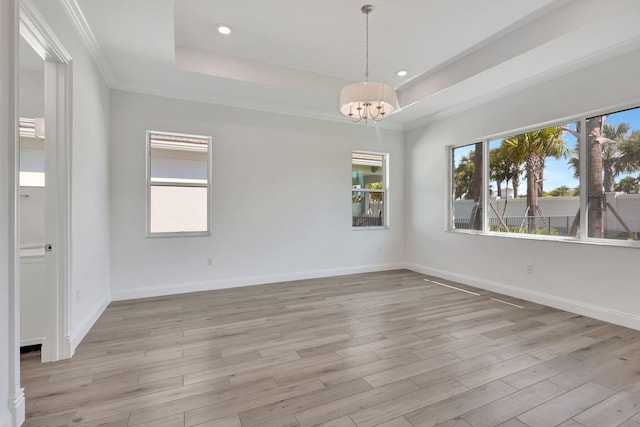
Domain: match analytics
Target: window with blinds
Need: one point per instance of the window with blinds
(178, 184)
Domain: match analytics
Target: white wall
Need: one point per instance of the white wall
(281, 199)
(31, 93)
(32, 216)
(90, 178)
(11, 397)
(600, 281)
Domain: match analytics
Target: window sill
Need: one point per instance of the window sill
(561, 239)
(179, 234)
(369, 228)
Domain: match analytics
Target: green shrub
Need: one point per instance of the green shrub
(516, 229)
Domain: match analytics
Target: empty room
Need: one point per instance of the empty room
(292, 213)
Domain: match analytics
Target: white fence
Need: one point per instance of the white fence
(559, 211)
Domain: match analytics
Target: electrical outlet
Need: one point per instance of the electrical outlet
(530, 268)
(209, 260)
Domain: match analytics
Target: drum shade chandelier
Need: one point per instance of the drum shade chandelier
(367, 100)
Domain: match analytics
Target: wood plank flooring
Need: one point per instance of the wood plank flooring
(390, 349)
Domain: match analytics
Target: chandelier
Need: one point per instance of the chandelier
(367, 100)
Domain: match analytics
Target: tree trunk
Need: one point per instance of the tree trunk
(609, 181)
(516, 185)
(533, 165)
(595, 181)
(541, 178)
(477, 187)
(506, 200)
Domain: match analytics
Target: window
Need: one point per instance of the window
(613, 175)
(467, 187)
(535, 180)
(178, 178)
(368, 189)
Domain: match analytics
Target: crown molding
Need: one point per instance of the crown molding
(37, 33)
(72, 8)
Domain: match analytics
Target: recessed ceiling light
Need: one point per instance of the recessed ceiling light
(401, 73)
(224, 29)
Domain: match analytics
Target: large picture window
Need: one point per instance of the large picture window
(178, 178)
(539, 182)
(368, 189)
(533, 185)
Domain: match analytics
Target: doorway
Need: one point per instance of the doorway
(44, 240)
(35, 313)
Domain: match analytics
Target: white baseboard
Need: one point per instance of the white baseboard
(19, 409)
(81, 331)
(181, 288)
(597, 312)
(16, 415)
(32, 341)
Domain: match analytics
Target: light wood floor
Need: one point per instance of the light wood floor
(383, 349)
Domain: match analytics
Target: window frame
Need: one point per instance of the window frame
(384, 191)
(451, 167)
(582, 237)
(149, 184)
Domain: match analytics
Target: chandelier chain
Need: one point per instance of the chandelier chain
(366, 48)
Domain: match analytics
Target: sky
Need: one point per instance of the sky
(557, 172)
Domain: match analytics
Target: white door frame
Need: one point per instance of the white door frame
(9, 28)
(57, 109)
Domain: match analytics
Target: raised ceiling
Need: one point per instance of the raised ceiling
(293, 56)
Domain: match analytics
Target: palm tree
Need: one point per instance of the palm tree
(468, 183)
(563, 190)
(629, 185)
(505, 166)
(574, 161)
(533, 148)
(629, 153)
(595, 130)
(610, 153)
(617, 154)
(476, 213)
(602, 160)
(500, 168)
(463, 177)
(614, 135)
